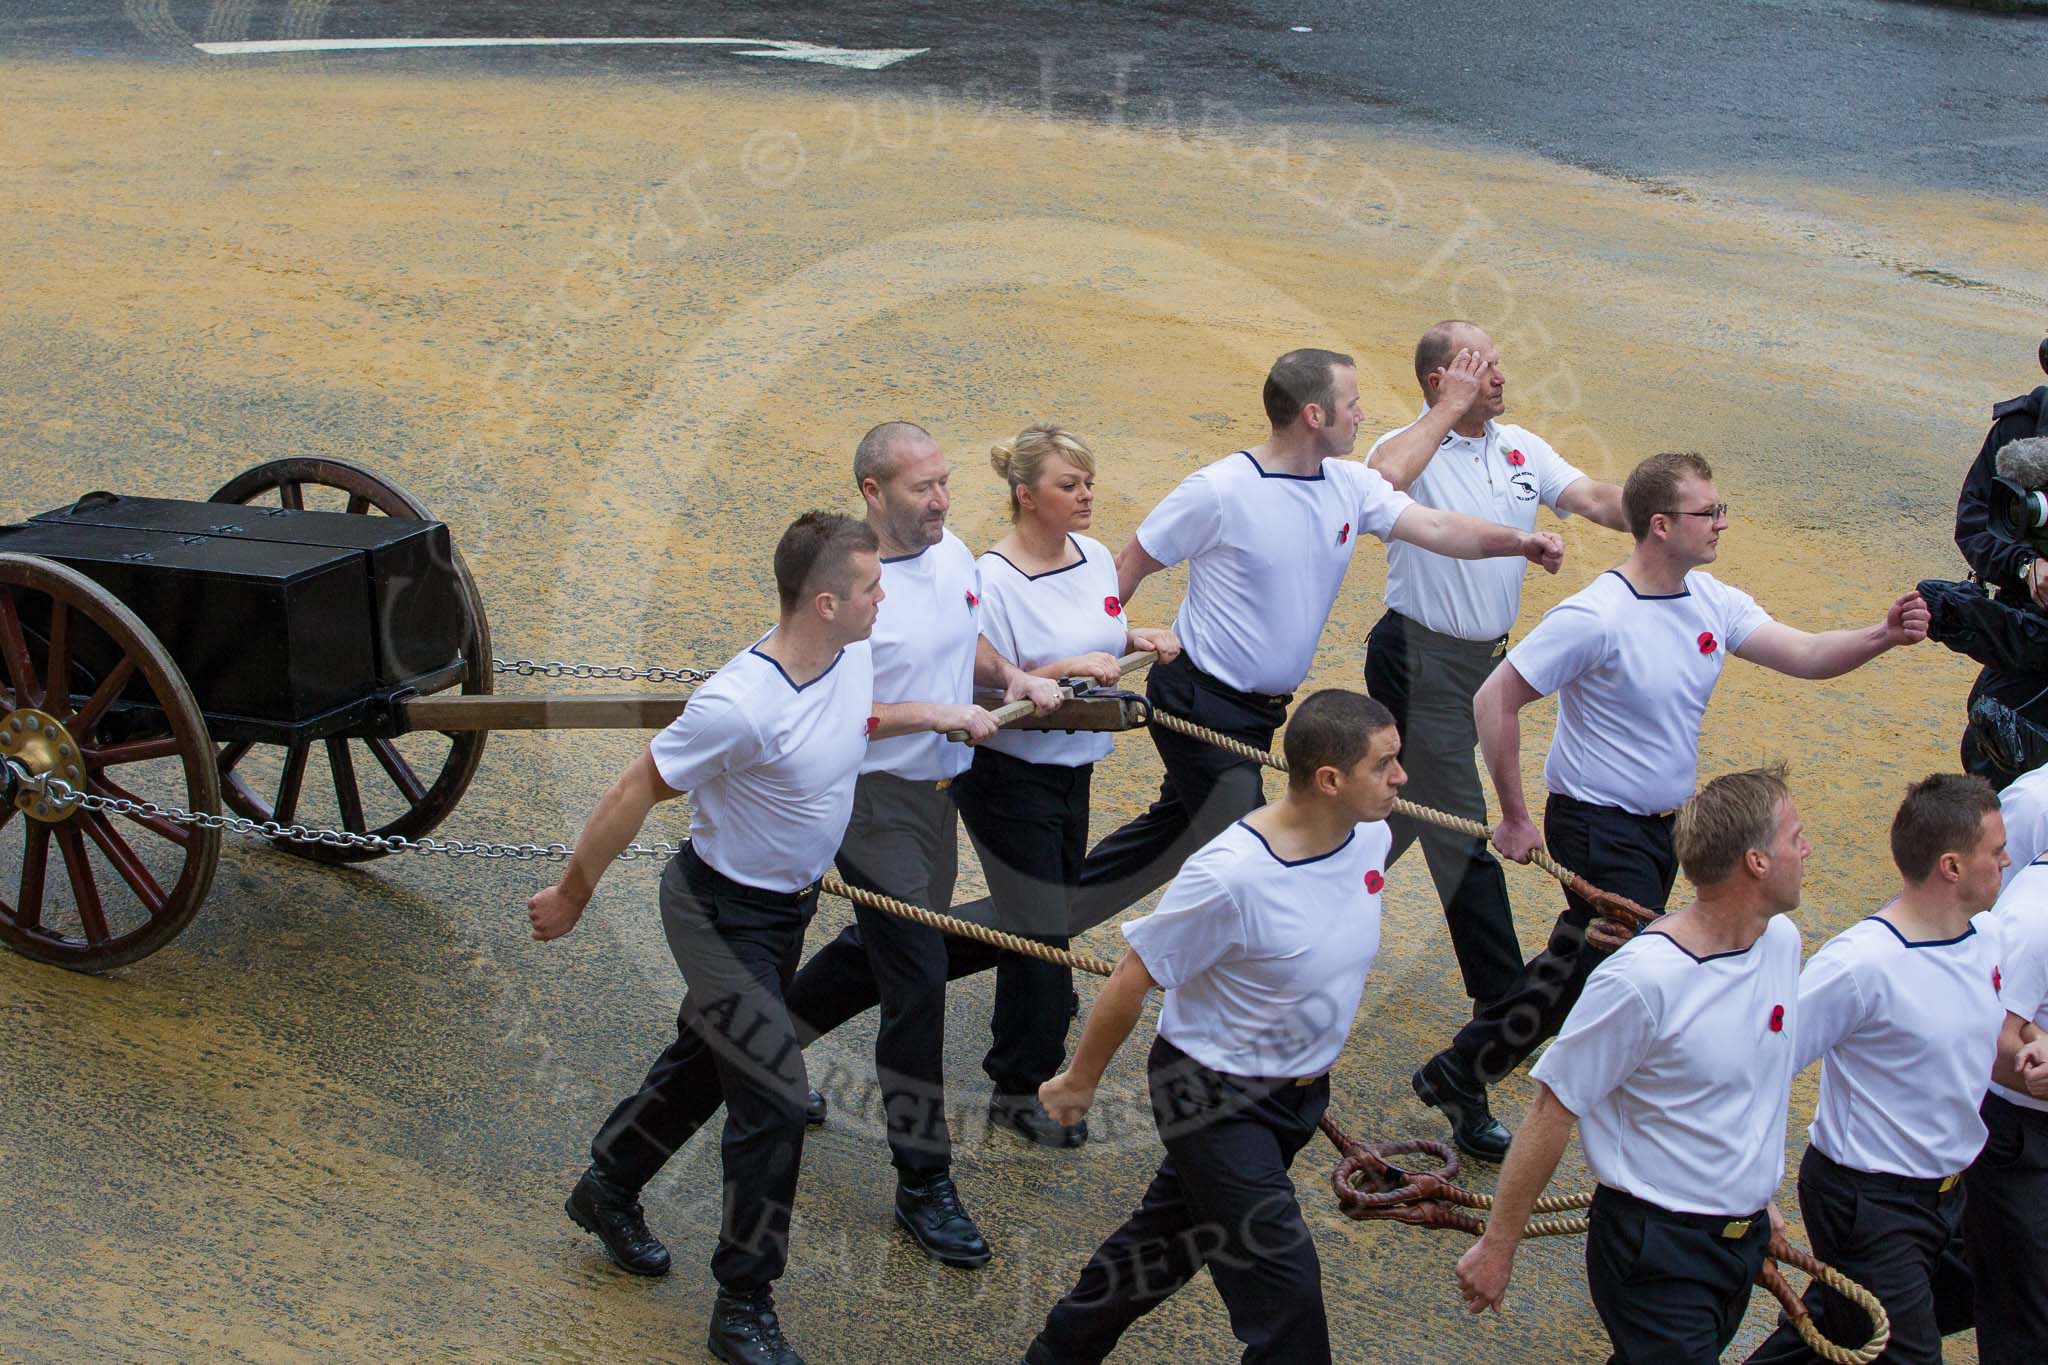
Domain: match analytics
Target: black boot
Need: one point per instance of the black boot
(814, 1110)
(744, 1331)
(1447, 1083)
(613, 1216)
(932, 1215)
(1024, 1116)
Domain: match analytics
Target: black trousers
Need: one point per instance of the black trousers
(737, 946)
(1029, 824)
(2005, 1232)
(1428, 680)
(1630, 855)
(1204, 790)
(1669, 1288)
(1222, 1199)
(1900, 1238)
(901, 841)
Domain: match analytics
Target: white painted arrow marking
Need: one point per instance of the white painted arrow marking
(858, 58)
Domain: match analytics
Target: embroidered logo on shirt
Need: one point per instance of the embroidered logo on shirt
(1344, 533)
(1777, 1018)
(1374, 881)
(1515, 458)
(1112, 606)
(1707, 643)
(972, 600)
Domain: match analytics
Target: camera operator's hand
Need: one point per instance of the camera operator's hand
(1906, 622)
(2037, 581)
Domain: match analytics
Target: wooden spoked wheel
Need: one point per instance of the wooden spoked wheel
(402, 786)
(87, 692)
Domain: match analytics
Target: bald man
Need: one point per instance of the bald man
(1446, 627)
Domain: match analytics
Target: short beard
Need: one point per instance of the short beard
(906, 527)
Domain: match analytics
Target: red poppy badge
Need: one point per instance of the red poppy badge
(1112, 606)
(1777, 1018)
(1707, 642)
(1516, 459)
(1374, 881)
(1344, 533)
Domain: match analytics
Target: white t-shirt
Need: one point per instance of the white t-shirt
(1267, 553)
(1037, 619)
(2024, 804)
(1632, 676)
(2022, 915)
(1501, 476)
(1263, 960)
(1906, 1034)
(770, 766)
(924, 642)
(1680, 1070)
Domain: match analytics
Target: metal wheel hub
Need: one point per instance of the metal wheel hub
(39, 742)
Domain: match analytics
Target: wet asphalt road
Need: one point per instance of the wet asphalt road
(1914, 94)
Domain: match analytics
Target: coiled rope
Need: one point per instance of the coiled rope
(1369, 1187)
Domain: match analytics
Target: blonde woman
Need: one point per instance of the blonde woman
(1049, 601)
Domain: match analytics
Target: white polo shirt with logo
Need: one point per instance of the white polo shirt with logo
(1501, 476)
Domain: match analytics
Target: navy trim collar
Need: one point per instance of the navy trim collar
(1710, 957)
(1300, 862)
(1034, 577)
(1642, 596)
(755, 650)
(1925, 942)
(1316, 477)
(904, 559)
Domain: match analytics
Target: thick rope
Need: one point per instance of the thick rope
(1620, 916)
(1369, 1187)
(948, 924)
(1773, 1279)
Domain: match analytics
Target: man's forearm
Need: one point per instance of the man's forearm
(1111, 1019)
(1456, 535)
(1532, 1160)
(991, 669)
(1500, 747)
(618, 818)
(1401, 458)
(1832, 653)
(893, 718)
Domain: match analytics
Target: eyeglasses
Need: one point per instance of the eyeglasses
(1714, 513)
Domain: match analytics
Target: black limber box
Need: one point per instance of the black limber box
(418, 620)
(260, 629)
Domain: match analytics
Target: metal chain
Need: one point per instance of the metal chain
(549, 668)
(63, 794)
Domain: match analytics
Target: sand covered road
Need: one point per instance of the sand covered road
(617, 334)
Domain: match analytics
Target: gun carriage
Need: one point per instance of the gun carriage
(306, 644)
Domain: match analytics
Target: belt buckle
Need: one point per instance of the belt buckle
(1500, 649)
(1948, 1182)
(1306, 1080)
(1734, 1228)
(942, 784)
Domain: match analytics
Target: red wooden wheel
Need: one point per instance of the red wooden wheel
(87, 692)
(413, 781)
